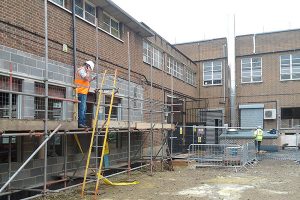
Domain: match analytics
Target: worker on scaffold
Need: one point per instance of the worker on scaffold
(82, 81)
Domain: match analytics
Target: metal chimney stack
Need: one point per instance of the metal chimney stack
(232, 67)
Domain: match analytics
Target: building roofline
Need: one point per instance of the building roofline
(156, 34)
(271, 32)
(113, 9)
(199, 41)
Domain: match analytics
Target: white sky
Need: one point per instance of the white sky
(181, 21)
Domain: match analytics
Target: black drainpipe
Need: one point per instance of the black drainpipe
(74, 38)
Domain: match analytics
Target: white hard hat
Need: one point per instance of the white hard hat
(90, 63)
(259, 127)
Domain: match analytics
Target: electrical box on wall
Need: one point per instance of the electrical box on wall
(65, 48)
(269, 113)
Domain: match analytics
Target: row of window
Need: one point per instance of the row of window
(151, 55)
(251, 70)
(154, 56)
(55, 106)
(87, 10)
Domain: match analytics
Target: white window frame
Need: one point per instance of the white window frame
(189, 76)
(174, 67)
(251, 70)
(152, 55)
(212, 71)
(169, 66)
(90, 14)
(111, 27)
(84, 11)
(291, 67)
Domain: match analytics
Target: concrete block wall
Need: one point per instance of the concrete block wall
(33, 173)
(135, 91)
(32, 66)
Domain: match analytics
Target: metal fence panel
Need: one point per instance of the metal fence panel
(222, 155)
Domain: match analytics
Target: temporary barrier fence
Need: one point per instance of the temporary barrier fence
(222, 155)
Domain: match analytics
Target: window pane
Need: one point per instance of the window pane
(207, 67)
(285, 62)
(246, 60)
(89, 17)
(90, 9)
(106, 28)
(257, 78)
(246, 79)
(246, 66)
(217, 66)
(207, 77)
(79, 3)
(296, 68)
(285, 57)
(285, 76)
(79, 11)
(256, 73)
(106, 19)
(90, 13)
(59, 2)
(217, 81)
(296, 76)
(115, 32)
(207, 82)
(114, 24)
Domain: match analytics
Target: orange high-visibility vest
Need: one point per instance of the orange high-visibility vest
(83, 86)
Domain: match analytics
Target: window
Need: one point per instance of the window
(79, 7)
(152, 55)
(111, 25)
(90, 12)
(177, 69)
(189, 76)
(85, 10)
(4, 105)
(4, 149)
(5, 99)
(290, 67)
(170, 65)
(177, 109)
(116, 109)
(251, 70)
(212, 73)
(59, 2)
(174, 67)
(290, 117)
(55, 146)
(55, 107)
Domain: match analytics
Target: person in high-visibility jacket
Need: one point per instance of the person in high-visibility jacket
(106, 155)
(82, 81)
(258, 135)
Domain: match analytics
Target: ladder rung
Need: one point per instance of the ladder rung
(95, 157)
(97, 146)
(100, 135)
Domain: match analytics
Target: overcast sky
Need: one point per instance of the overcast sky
(181, 21)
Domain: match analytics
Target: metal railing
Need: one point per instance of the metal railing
(222, 155)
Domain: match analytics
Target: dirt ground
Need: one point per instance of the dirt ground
(269, 179)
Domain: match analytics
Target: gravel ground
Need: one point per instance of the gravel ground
(269, 179)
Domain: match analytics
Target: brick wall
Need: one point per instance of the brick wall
(204, 50)
(268, 46)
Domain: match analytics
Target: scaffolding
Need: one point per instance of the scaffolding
(49, 98)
